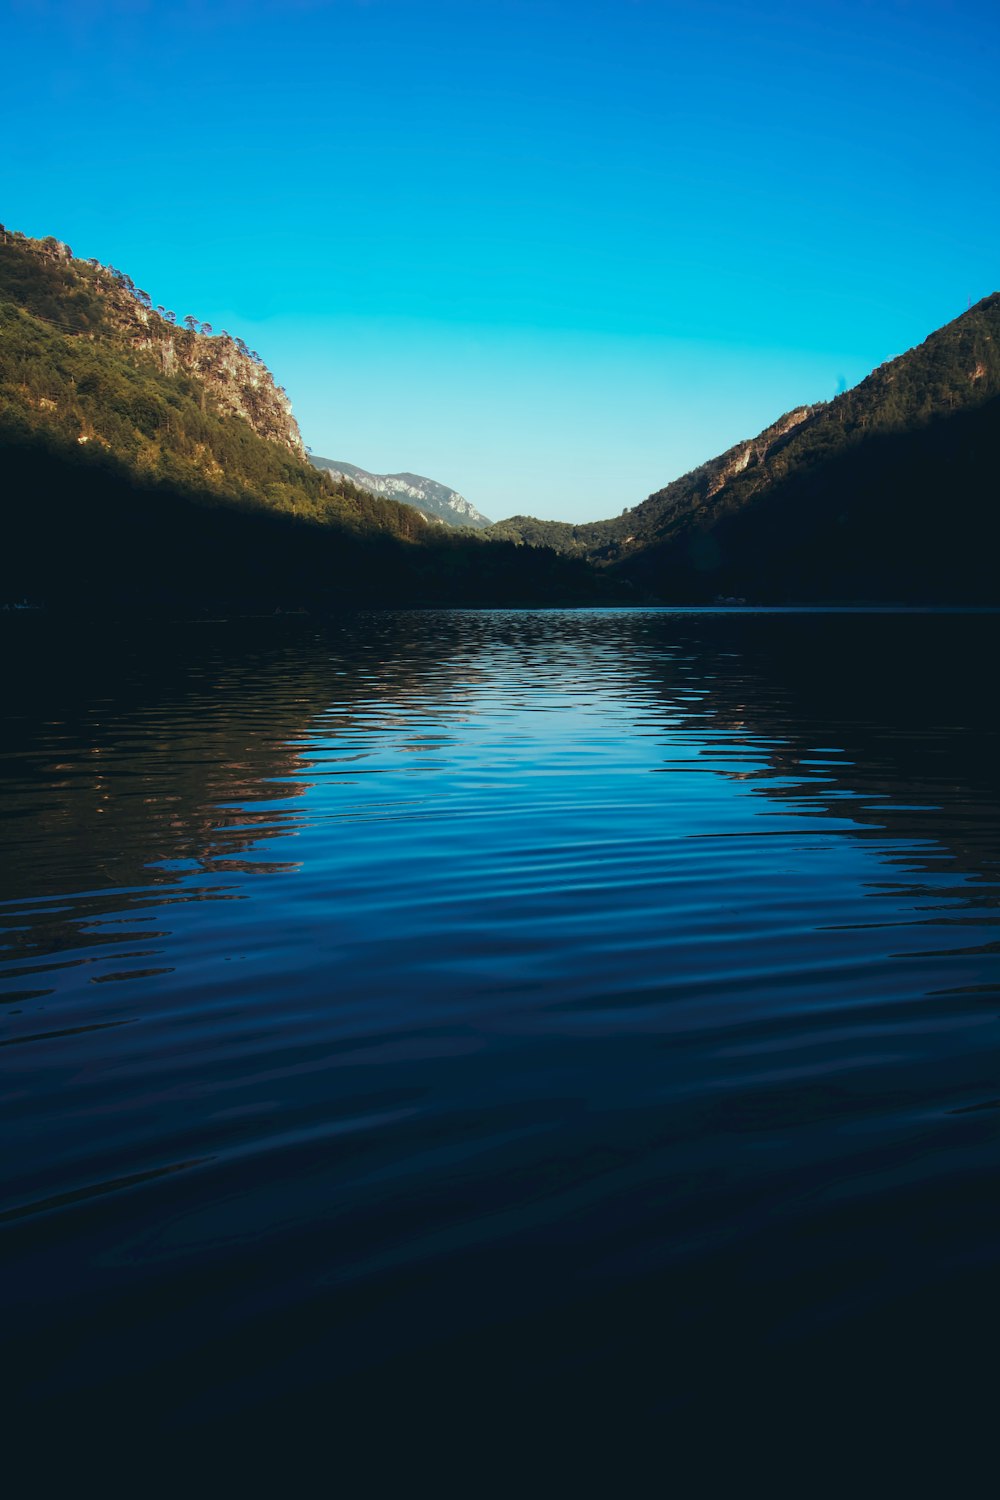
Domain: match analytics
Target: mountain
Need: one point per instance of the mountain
(87, 364)
(607, 541)
(147, 465)
(888, 492)
(41, 279)
(433, 500)
(150, 466)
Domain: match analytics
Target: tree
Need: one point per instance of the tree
(171, 317)
(206, 328)
(190, 322)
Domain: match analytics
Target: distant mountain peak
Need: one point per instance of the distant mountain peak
(434, 500)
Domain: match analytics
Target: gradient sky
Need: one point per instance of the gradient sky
(551, 252)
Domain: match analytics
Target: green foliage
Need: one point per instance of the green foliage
(63, 293)
(123, 464)
(725, 525)
(875, 494)
(69, 372)
(83, 534)
(574, 541)
(128, 486)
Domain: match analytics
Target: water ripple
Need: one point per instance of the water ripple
(524, 993)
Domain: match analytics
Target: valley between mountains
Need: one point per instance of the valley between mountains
(149, 465)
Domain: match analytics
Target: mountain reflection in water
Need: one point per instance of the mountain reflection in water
(587, 1017)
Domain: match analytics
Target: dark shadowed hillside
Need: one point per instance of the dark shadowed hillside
(150, 465)
(909, 516)
(145, 463)
(889, 491)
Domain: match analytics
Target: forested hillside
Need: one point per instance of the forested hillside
(152, 463)
(888, 491)
(86, 362)
(435, 500)
(146, 462)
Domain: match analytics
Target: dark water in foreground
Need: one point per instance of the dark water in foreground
(587, 1019)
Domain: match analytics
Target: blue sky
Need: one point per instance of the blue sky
(551, 253)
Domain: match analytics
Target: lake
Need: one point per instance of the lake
(586, 1019)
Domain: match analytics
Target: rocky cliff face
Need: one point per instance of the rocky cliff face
(94, 300)
(435, 501)
(756, 452)
(243, 386)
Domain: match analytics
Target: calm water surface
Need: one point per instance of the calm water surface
(592, 1014)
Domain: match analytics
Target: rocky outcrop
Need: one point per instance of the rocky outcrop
(757, 451)
(242, 386)
(234, 375)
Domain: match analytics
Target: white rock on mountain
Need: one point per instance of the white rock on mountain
(435, 500)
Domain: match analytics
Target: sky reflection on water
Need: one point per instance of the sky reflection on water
(438, 1002)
